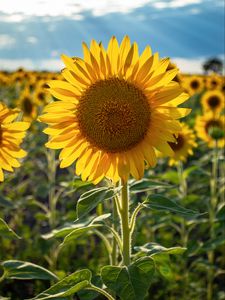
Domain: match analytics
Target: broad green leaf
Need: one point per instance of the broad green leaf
(16, 269)
(189, 170)
(76, 233)
(132, 282)
(90, 199)
(5, 202)
(151, 249)
(6, 231)
(213, 244)
(172, 176)
(145, 184)
(67, 229)
(67, 286)
(161, 203)
(220, 215)
(162, 263)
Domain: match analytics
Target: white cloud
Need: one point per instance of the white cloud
(185, 65)
(32, 40)
(20, 9)
(6, 41)
(174, 3)
(188, 65)
(30, 64)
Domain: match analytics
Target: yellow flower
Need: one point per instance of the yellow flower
(11, 136)
(213, 101)
(114, 111)
(193, 84)
(27, 105)
(185, 142)
(213, 82)
(210, 128)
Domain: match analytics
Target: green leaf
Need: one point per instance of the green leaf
(153, 248)
(162, 263)
(6, 231)
(132, 282)
(220, 215)
(67, 229)
(16, 269)
(67, 286)
(213, 244)
(5, 202)
(90, 199)
(189, 170)
(172, 176)
(145, 185)
(161, 203)
(79, 232)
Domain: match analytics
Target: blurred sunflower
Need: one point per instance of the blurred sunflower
(213, 82)
(27, 105)
(185, 142)
(213, 101)
(41, 97)
(11, 136)
(211, 128)
(114, 111)
(193, 84)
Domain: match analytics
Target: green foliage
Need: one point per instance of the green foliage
(132, 282)
(15, 269)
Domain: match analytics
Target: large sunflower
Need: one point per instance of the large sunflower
(114, 111)
(213, 101)
(211, 128)
(11, 136)
(185, 142)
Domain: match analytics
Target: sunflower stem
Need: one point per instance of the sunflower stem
(183, 229)
(125, 227)
(51, 179)
(212, 208)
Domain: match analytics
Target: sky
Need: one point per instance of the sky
(34, 33)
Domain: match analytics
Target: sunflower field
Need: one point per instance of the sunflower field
(112, 179)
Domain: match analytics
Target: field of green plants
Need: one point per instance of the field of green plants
(160, 236)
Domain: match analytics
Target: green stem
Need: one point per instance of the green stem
(51, 179)
(106, 243)
(125, 228)
(100, 291)
(183, 228)
(134, 217)
(3, 276)
(212, 211)
(114, 227)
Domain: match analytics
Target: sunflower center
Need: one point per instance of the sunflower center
(195, 84)
(113, 115)
(213, 101)
(179, 143)
(213, 124)
(27, 106)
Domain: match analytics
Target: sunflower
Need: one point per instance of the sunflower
(11, 136)
(114, 111)
(213, 82)
(185, 142)
(41, 96)
(193, 85)
(213, 101)
(211, 128)
(27, 105)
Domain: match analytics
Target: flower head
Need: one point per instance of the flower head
(11, 136)
(211, 128)
(183, 147)
(116, 108)
(213, 101)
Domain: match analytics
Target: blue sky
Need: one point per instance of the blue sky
(34, 33)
